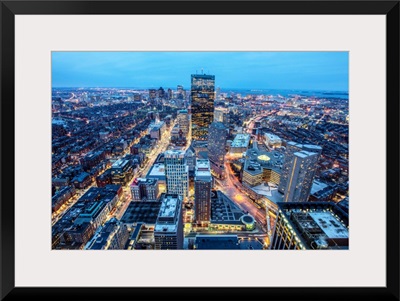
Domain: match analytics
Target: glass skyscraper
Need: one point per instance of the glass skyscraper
(216, 148)
(202, 104)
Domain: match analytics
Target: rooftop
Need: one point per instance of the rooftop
(145, 212)
(241, 140)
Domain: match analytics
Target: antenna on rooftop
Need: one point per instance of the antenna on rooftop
(202, 71)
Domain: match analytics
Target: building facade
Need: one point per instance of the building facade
(145, 189)
(298, 171)
(176, 173)
(168, 230)
(217, 137)
(202, 104)
(183, 119)
(202, 191)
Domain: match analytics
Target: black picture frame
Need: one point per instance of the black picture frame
(11, 8)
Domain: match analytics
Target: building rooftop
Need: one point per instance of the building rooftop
(224, 210)
(168, 219)
(319, 225)
(144, 212)
(217, 242)
(157, 171)
(241, 140)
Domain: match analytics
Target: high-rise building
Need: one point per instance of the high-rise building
(217, 136)
(202, 104)
(191, 160)
(161, 93)
(310, 225)
(184, 122)
(152, 94)
(202, 191)
(176, 173)
(145, 189)
(168, 230)
(301, 176)
(286, 174)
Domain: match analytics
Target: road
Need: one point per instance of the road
(228, 187)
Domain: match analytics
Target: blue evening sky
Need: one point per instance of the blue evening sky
(247, 70)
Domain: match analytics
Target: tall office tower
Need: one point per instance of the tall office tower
(184, 122)
(217, 136)
(179, 92)
(202, 104)
(169, 92)
(301, 176)
(152, 94)
(310, 225)
(168, 229)
(161, 93)
(176, 173)
(202, 191)
(292, 148)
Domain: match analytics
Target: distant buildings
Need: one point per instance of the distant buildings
(217, 137)
(310, 225)
(168, 230)
(202, 104)
(202, 191)
(176, 173)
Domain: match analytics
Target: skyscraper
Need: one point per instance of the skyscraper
(298, 172)
(291, 149)
(168, 229)
(202, 191)
(202, 104)
(217, 136)
(176, 173)
(184, 122)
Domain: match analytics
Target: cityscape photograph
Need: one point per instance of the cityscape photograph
(211, 150)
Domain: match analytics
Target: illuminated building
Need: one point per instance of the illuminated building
(121, 171)
(272, 141)
(301, 175)
(168, 230)
(78, 234)
(310, 225)
(240, 144)
(202, 191)
(261, 167)
(221, 115)
(190, 156)
(227, 216)
(112, 236)
(202, 104)
(145, 190)
(183, 119)
(176, 173)
(292, 148)
(216, 148)
(157, 172)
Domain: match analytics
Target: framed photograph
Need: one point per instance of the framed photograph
(224, 149)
